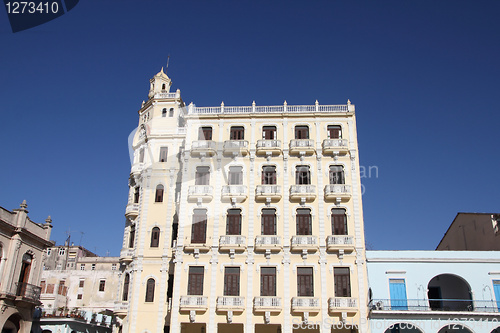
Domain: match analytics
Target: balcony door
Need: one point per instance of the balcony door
(342, 282)
(337, 174)
(334, 132)
(237, 133)
(305, 285)
(269, 133)
(268, 175)
(195, 280)
(268, 221)
(304, 226)
(301, 132)
(205, 133)
(397, 290)
(24, 274)
(233, 225)
(199, 227)
(268, 281)
(339, 222)
(202, 176)
(232, 281)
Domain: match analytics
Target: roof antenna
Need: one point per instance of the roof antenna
(168, 59)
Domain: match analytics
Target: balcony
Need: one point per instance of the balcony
(343, 304)
(197, 246)
(268, 147)
(237, 193)
(340, 242)
(267, 304)
(126, 255)
(268, 242)
(236, 147)
(273, 192)
(121, 308)
(338, 146)
(196, 303)
(26, 292)
(434, 306)
(231, 303)
(306, 192)
(202, 192)
(302, 146)
(305, 304)
(203, 148)
(302, 242)
(337, 192)
(132, 210)
(232, 242)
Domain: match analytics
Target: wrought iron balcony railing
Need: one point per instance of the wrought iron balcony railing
(453, 305)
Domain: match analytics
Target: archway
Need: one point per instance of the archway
(403, 328)
(448, 292)
(13, 324)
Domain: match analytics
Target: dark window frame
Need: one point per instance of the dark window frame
(155, 237)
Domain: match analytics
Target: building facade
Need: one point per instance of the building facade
(472, 232)
(243, 219)
(22, 245)
(434, 291)
(78, 291)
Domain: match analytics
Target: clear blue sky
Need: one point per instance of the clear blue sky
(424, 76)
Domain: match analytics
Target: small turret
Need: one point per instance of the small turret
(160, 83)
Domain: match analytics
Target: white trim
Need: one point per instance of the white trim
(241, 265)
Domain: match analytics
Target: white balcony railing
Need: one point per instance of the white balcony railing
(200, 190)
(334, 143)
(302, 189)
(268, 189)
(337, 189)
(204, 144)
(301, 143)
(343, 302)
(305, 302)
(236, 190)
(230, 301)
(166, 95)
(270, 109)
(340, 240)
(232, 240)
(235, 144)
(194, 301)
(267, 240)
(132, 208)
(269, 144)
(267, 301)
(304, 240)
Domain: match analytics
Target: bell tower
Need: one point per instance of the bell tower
(160, 83)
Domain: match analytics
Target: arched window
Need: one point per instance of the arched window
(155, 237)
(163, 86)
(171, 112)
(159, 193)
(150, 290)
(164, 112)
(126, 282)
(24, 274)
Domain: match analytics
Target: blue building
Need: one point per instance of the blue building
(434, 291)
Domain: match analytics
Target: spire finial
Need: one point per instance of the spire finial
(24, 205)
(48, 220)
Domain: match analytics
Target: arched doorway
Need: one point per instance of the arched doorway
(13, 324)
(455, 328)
(448, 292)
(403, 328)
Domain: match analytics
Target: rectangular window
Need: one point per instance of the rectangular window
(233, 224)
(235, 176)
(202, 176)
(305, 285)
(199, 227)
(102, 285)
(336, 174)
(268, 218)
(268, 281)
(237, 133)
(136, 195)
(113, 267)
(61, 251)
(61, 289)
(339, 222)
(50, 288)
(195, 280)
(163, 154)
(42, 287)
(79, 296)
(269, 175)
(131, 237)
(334, 132)
(342, 282)
(302, 175)
(304, 222)
(92, 268)
(141, 155)
(205, 133)
(82, 283)
(232, 281)
(269, 132)
(301, 132)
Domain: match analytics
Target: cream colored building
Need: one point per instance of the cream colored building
(22, 245)
(243, 219)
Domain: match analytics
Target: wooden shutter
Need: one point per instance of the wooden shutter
(336, 174)
(342, 282)
(199, 227)
(150, 290)
(195, 280)
(334, 132)
(268, 221)
(304, 222)
(126, 282)
(305, 286)
(268, 281)
(232, 281)
(339, 222)
(155, 237)
(159, 193)
(268, 132)
(236, 133)
(233, 224)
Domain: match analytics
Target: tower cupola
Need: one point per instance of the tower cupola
(160, 83)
